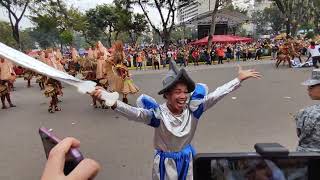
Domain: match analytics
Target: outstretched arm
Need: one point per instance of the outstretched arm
(213, 97)
(133, 113)
(130, 112)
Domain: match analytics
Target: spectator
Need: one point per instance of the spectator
(314, 53)
(229, 54)
(274, 52)
(195, 56)
(307, 120)
(220, 54)
(139, 61)
(238, 53)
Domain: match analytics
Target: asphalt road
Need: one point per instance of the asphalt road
(260, 111)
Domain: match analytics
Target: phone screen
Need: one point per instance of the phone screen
(252, 166)
(260, 169)
(74, 156)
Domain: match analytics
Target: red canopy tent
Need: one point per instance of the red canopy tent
(222, 39)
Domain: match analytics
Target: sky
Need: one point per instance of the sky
(84, 5)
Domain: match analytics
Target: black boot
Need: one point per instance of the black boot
(125, 100)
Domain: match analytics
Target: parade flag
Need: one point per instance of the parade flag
(29, 62)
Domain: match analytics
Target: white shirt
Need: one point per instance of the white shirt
(314, 52)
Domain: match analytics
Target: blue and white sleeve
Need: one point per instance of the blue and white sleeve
(133, 113)
(213, 97)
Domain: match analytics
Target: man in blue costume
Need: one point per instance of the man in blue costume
(176, 120)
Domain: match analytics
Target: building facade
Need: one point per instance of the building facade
(195, 8)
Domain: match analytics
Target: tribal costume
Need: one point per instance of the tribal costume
(5, 94)
(121, 82)
(284, 54)
(128, 86)
(28, 74)
(53, 90)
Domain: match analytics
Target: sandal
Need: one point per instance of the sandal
(105, 107)
(50, 110)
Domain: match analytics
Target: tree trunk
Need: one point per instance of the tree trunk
(212, 28)
(317, 25)
(116, 36)
(108, 37)
(16, 35)
(294, 30)
(166, 40)
(288, 27)
(213, 22)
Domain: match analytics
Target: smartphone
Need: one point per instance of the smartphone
(252, 166)
(49, 140)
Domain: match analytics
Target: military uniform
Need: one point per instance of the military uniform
(307, 120)
(308, 128)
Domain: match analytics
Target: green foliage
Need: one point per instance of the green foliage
(259, 20)
(114, 20)
(6, 37)
(6, 34)
(298, 12)
(274, 17)
(27, 40)
(46, 32)
(181, 33)
(310, 35)
(66, 37)
(231, 7)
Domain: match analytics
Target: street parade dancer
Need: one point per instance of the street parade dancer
(41, 79)
(176, 120)
(284, 54)
(53, 87)
(6, 74)
(28, 75)
(122, 82)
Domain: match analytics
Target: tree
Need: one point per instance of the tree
(6, 34)
(14, 17)
(258, 18)
(274, 18)
(64, 23)
(166, 9)
(181, 33)
(104, 18)
(295, 12)
(6, 37)
(46, 31)
(218, 4)
(27, 41)
(138, 25)
(231, 7)
(315, 13)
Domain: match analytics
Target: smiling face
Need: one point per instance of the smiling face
(177, 98)
(314, 92)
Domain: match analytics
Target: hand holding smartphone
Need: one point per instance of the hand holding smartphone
(65, 160)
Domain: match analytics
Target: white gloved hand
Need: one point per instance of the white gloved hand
(109, 98)
(90, 87)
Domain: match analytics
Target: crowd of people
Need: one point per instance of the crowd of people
(284, 50)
